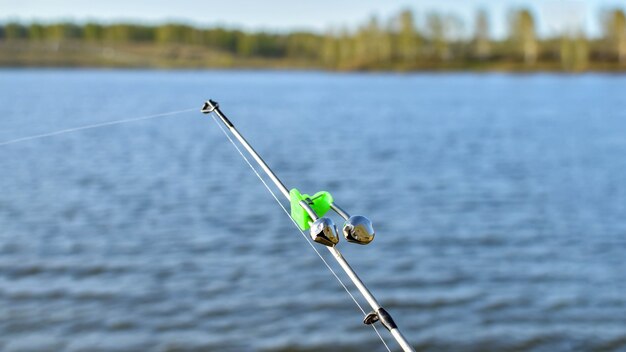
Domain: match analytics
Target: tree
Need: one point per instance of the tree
(36, 32)
(14, 30)
(268, 45)
(574, 52)
(117, 33)
(523, 35)
(330, 50)
(437, 34)
(408, 40)
(176, 33)
(384, 48)
(245, 44)
(372, 44)
(62, 31)
(346, 56)
(220, 39)
(92, 32)
(482, 43)
(615, 33)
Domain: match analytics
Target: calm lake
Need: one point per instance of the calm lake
(499, 203)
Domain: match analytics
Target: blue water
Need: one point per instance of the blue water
(499, 203)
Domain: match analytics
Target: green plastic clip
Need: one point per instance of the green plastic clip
(320, 203)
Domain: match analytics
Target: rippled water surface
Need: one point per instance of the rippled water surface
(499, 203)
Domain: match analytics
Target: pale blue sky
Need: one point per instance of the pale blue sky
(316, 15)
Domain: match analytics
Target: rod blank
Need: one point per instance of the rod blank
(213, 106)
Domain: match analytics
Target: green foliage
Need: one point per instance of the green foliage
(244, 45)
(408, 41)
(93, 32)
(63, 31)
(302, 45)
(403, 42)
(523, 35)
(220, 38)
(574, 53)
(15, 31)
(481, 45)
(615, 33)
(173, 33)
(330, 50)
(438, 36)
(36, 32)
(372, 45)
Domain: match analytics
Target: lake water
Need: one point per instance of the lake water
(499, 203)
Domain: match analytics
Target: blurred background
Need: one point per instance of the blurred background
(354, 35)
(484, 139)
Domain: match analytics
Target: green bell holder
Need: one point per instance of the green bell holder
(320, 203)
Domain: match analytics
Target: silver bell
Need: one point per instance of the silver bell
(358, 229)
(324, 231)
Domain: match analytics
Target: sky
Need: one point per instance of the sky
(318, 15)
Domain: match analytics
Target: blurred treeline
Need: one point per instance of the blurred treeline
(439, 42)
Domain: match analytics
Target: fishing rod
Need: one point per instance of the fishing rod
(307, 212)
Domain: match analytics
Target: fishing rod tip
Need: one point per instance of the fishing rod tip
(209, 106)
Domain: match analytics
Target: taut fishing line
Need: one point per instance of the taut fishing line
(298, 227)
(97, 125)
(172, 113)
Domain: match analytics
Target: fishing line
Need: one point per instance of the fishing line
(97, 125)
(298, 227)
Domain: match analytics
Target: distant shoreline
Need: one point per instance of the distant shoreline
(80, 60)
(180, 57)
(399, 44)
